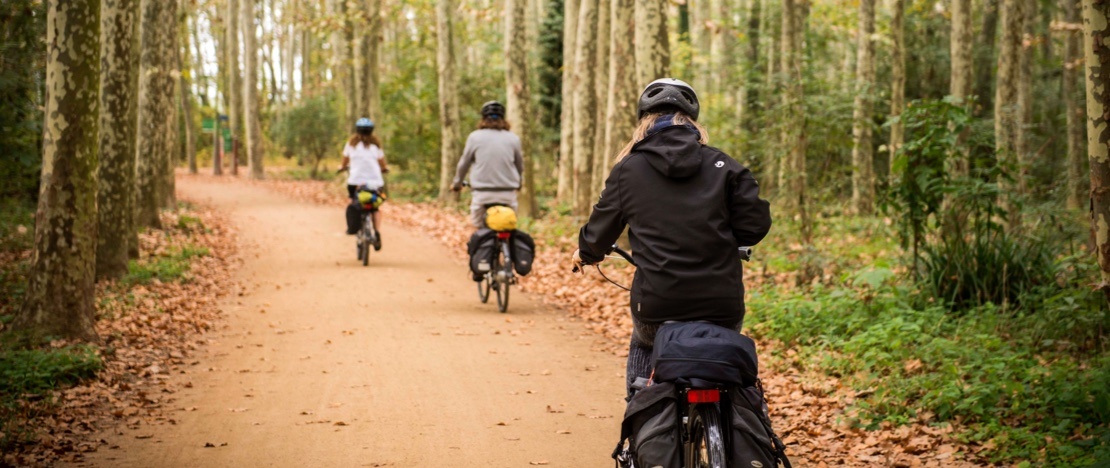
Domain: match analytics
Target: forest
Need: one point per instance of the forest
(937, 169)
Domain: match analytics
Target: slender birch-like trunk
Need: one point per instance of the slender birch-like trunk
(1007, 115)
(566, 119)
(448, 96)
(1075, 112)
(897, 79)
(518, 108)
(863, 174)
(585, 104)
(250, 91)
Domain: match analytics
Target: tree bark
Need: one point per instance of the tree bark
(1096, 19)
(157, 128)
(235, 77)
(585, 104)
(185, 85)
(653, 54)
(518, 103)
(1025, 95)
(620, 111)
(289, 50)
(863, 174)
(984, 54)
(250, 91)
(601, 97)
(566, 128)
(701, 40)
(795, 136)
(748, 103)
(960, 46)
(448, 96)
(1007, 115)
(1075, 113)
(897, 79)
(371, 46)
(118, 103)
(60, 298)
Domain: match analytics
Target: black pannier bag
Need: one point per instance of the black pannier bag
(698, 350)
(651, 427)
(752, 441)
(354, 217)
(480, 247)
(524, 252)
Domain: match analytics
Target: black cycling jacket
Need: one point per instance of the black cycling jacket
(688, 208)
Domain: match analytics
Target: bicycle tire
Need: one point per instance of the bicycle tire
(706, 445)
(361, 250)
(483, 288)
(502, 287)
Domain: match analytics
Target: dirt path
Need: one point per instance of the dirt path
(324, 362)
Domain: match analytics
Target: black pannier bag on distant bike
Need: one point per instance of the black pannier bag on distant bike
(698, 350)
(354, 217)
(651, 427)
(524, 252)
(480, 247)
(752, 441)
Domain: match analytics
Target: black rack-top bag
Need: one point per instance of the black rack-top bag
(699, 350)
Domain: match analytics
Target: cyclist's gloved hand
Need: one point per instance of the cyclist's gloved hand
(576, 258)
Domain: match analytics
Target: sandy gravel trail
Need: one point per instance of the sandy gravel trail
(324, 362)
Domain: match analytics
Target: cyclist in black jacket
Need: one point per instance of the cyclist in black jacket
(688, 207)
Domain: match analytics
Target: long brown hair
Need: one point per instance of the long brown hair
(366, 140)
(649, 120)
(496, 124)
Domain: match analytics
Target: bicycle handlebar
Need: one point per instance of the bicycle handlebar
(745, 253)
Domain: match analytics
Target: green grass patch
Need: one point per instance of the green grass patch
(1030, 382)
(170, 267)
(26, 372)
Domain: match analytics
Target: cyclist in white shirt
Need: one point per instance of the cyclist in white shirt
(364, 157)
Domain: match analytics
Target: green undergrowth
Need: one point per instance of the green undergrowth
(1029, 381)
(170, 266)
(26, 378)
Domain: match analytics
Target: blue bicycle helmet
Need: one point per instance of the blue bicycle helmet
(364, 125)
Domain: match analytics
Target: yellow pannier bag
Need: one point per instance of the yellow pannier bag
(501, 218)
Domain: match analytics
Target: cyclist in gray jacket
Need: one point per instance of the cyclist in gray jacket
(688, 207)
(494, 158)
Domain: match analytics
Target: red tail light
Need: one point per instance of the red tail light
(703, 396)
(503, 235)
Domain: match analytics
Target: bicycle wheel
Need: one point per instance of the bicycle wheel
(706, 446)
(502, 285)
(483, 288)
(361, 249)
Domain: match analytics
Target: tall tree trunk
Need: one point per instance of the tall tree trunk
(585, 104)
(289, 50)
(220, 103)
(118, 103)
(748, 103)
(235, 77)
(250, 91)
(60, 299)
(961, 75)
(863, 174)
(620, 111)
(371, 46)
(157, 125)
(653, 54)
(566, 125)
(1073, 60)
(1025, 95)
(1096, 19)
(448, 96)
(198, 64)
(187, 103)
(960, 46)
(984, 54)
(1007, 115)
(897, 79)
(518, 105)
(793, 21)
(351, 82)
(701, 41)
(601, 96)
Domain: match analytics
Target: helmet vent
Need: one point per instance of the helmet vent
(654, 92)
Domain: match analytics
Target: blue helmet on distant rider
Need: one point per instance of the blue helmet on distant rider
(669, 95)
(364, 126)
(493, 110)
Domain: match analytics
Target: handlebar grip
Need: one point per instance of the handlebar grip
(746, 253)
